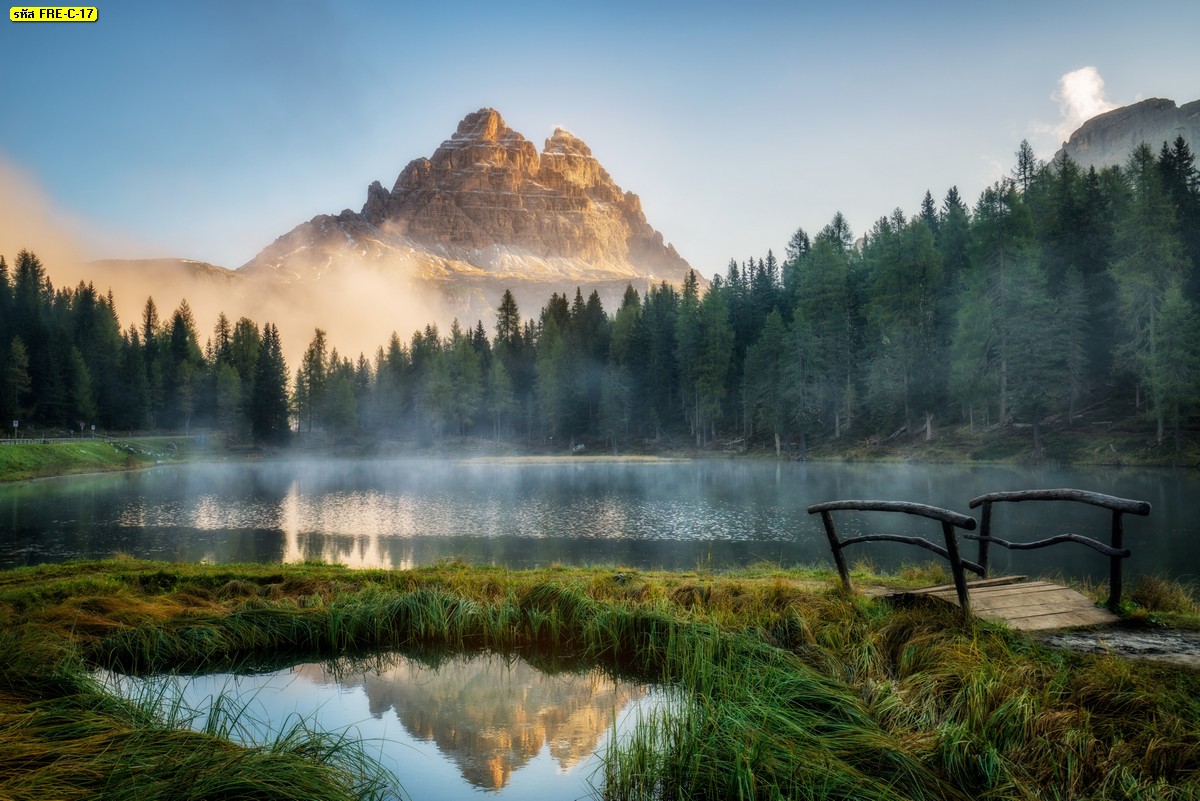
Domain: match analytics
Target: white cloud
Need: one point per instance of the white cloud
(1080, 96)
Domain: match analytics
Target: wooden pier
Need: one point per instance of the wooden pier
(1021, 604)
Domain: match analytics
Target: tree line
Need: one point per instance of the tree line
(1057, 290)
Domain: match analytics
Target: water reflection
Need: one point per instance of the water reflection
(445, 727)
(402, 513)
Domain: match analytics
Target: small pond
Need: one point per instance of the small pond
(453, 727)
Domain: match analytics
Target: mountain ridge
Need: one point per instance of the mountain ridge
(1107, 139)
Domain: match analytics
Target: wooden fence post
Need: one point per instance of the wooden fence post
(1114, 562)
(836, 547)
(956, 569)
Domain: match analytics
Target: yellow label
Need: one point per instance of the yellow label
(53, 13)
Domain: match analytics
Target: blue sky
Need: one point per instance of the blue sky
(206, 129)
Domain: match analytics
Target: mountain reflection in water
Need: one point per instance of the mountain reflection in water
(491, 714)
(473, 721)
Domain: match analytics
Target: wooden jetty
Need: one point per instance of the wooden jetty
(1021, 604)
(1026, 605)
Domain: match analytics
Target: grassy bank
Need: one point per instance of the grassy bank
(791, 688)
(1116, 445)
(18, 462)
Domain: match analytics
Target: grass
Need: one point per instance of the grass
(1082, 445)
(18, 462)
(786, 687)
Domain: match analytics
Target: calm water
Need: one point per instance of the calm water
(458, 728)
(720, 513)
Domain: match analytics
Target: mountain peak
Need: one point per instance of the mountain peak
(487, 209)
(486, 125)
(564, 142)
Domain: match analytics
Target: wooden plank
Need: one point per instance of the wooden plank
(1049, 595)
(1006, 589)
(1051, 601)
(1020, 590)
(972, 585)
(1057, 603)
(1092, 617)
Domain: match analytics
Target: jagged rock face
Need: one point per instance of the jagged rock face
(488, 186)
(487, 206)
(1107, 139)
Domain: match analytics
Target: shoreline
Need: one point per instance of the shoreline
(1108, 450)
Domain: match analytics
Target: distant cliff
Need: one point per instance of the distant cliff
(1108, 139)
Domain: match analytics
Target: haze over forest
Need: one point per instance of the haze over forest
(1056, 290)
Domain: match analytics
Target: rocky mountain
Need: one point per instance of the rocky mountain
(486, 212)
(1108, 139)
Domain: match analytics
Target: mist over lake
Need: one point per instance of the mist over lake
(683, 515)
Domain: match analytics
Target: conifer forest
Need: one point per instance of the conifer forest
(1055, 291)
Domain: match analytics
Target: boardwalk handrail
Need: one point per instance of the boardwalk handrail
(949, 520)
(1115, 551)
(1081, 496)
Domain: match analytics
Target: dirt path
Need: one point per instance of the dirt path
(1175, 647)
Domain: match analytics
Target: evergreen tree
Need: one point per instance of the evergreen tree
(658, 372)
(1002, 235)
(953, 241)
(1027, 169)
(825, 310)
(1175, 370)
(906, 274)
(929, 214)
(1036, 337)
(82, 405)
(765, 379)
(1150, 260)
(229, 402)
(15, 384)
(312, 382)
(269, 409)
(715, 355)
(688, 353)
(134, 411)
(553, 377)
(501, 400)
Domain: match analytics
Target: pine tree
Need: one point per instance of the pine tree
(906, 277)
(553, 377)
(715, 356)
(269, 410)
(1027, 169)
(1174, 374)
(929, 214)
(688, 353)
(1150, 259)
(765, 379)
(15, 384)
(312, 382)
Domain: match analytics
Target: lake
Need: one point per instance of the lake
(685, 515)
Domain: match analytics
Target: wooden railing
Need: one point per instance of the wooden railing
(1115, 551)
(949, 520)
